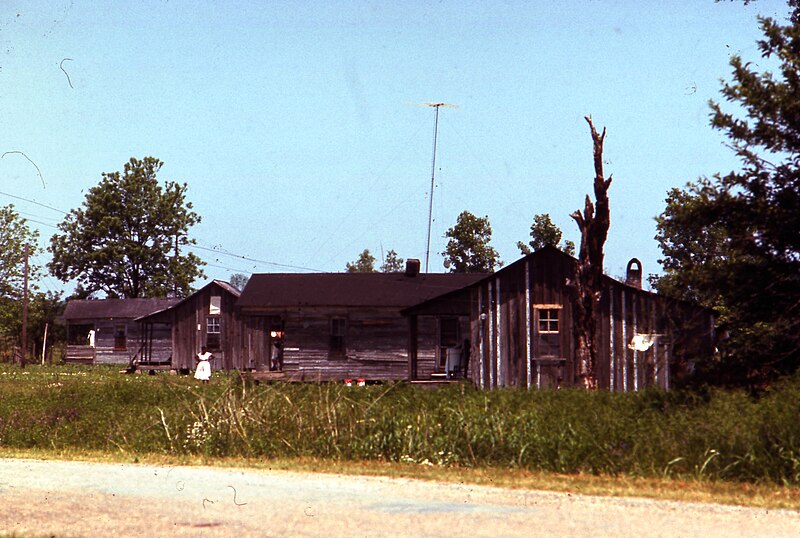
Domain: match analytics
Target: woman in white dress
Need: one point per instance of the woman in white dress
(203, 371)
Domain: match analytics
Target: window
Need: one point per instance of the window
(215, 306)
(548, 320)
(338, 332)
(213, 333)
(120, 338)
(548, 330)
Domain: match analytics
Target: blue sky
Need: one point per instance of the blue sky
(298, 130)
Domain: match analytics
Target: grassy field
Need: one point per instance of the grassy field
(716, 445)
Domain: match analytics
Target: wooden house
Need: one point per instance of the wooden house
(103, 331)
(521, 329)
(334, 326)
(207, 318)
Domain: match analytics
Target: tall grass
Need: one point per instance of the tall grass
(714, 434)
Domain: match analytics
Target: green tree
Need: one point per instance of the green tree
(239, 281)
(543, 233)
(364, 264)
(393, 263)
(46, 311)
(14, 235)
(468, 249)
(122, 241)
(733, 241)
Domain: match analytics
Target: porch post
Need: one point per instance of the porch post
(412, 347)
(528, 354)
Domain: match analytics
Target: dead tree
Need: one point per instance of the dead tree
(586, 284)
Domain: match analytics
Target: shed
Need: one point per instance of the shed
(103, 331)
(521, 331)
(333, 326)
(207, 318)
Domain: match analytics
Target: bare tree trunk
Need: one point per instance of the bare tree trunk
(593, 224)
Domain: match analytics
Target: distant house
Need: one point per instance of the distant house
(207, 318)
(521, 329)
(103, 331)
(334, 326)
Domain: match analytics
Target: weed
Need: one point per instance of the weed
(713, 435)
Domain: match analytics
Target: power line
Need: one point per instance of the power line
(218, 250)
(264, 262)
(46, 274)
(33, 202)
(231, 269)
(42, 223)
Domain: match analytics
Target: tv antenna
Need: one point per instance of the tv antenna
(436, 106)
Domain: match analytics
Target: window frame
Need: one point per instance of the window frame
(214, 322)
(547, 322)
(553, 324)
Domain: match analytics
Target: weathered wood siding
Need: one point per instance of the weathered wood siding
(428, 353)
(107, 350)
(155, 343)
(79, 354)
(116, 342)
(504, 332)
(376, 343)
(508, 349)
(190, 330)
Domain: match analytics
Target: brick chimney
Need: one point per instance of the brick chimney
(412, 267)
(634, 274)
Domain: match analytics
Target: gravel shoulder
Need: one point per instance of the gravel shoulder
(61, 498)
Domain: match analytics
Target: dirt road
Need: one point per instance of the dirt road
(57, 498)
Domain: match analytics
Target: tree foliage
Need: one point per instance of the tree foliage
(14, 235)
(393, 263)
(43, 308)
(468, 249)
(122, 241)
(239, 281)
(543, 233)
(364, 264)
(733, 241)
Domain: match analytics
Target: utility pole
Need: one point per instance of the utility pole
(24, 311)
(436, 106)
(175, 276)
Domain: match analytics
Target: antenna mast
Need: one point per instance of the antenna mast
(433, 174)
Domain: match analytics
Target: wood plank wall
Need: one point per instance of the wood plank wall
(504, 331)
(189, 331)
(105, 351)
(376, 344)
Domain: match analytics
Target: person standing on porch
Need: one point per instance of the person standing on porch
(203, 371)
(276, 363)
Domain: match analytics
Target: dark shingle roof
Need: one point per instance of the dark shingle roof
(276, 290)
(114, 308)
